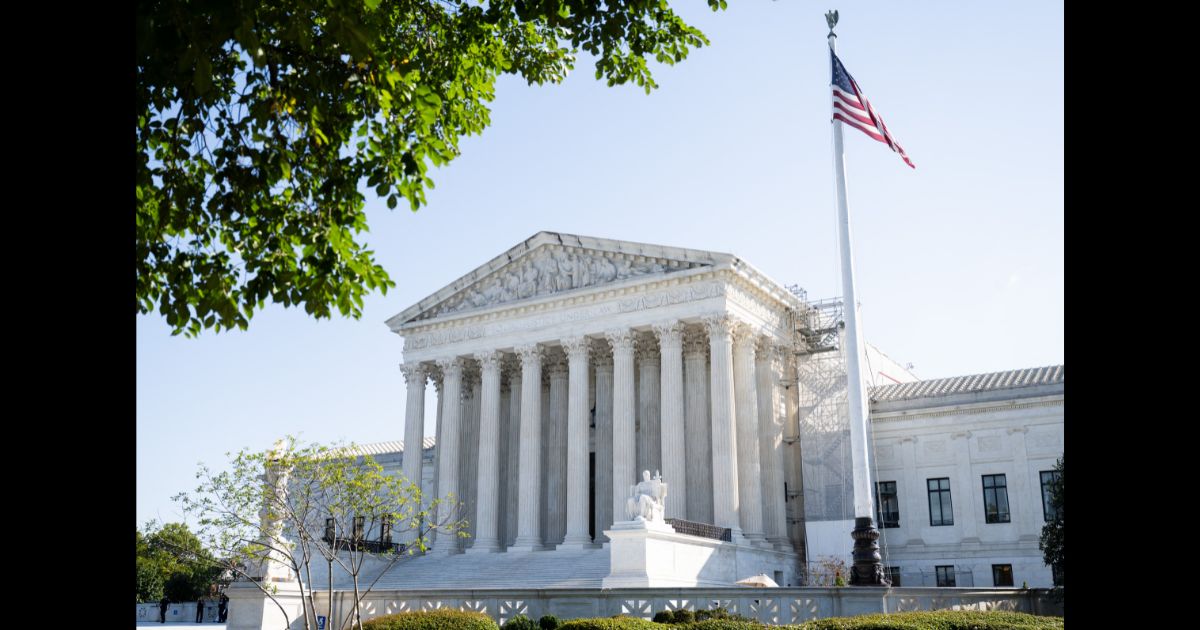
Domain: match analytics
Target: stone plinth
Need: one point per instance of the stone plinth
(252, 609)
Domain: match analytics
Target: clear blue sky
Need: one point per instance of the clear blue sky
(959, 263)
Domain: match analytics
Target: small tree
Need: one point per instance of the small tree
(1051, 542)
(271, 515)
(172, 561)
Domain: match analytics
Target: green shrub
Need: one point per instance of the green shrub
(936, 620)
(664, 616)
(685, 616)
(610, 623)
(432, 620)
(549, 622)
(719, 613)
(521, 622)
(725, 624)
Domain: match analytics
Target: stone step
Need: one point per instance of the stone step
(539, 569)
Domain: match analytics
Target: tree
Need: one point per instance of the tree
(171, 561)
(259, 120)
(276, 514)
(1051, 542)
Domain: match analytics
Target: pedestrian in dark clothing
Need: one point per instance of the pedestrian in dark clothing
(223, 608)
(200, 611)
(162, 609)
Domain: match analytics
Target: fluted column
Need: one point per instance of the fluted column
(698, 440)
(724, 427)
(767, 366)
(649, 438)
(448, 448)
(577, 443)
(414, 428)
(556, 451)
(624, 442)
(749, 466)
(602, 355)
(512, 508)
(468, 451)
(488, 484)
(505, 500)
(674, 462)
(529, 535)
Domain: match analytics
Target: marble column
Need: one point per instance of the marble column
(577, 443)
(698, 441)
(469, 450)
(414, 428)
(749, 465)
(674, 452)
(649, 438)
(437, 377)
(529, 535)
(448, 450)
(543, 460)
(506, 498)
(767, 366)
(624, 443)
(514, 450)
(488, 475)
(602, 356)
(724, 427)
(556, 453)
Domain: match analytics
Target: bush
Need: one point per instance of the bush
(610, 623)
(549, 622)
(719, 613)
(664, 616)
(726, 624)
(432, 620)
(521, 622)
(685, 616)
(937, 620)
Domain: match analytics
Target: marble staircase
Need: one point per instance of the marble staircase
(567, 568)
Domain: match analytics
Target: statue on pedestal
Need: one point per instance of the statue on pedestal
(647, 500)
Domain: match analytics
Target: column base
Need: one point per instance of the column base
(485, 547)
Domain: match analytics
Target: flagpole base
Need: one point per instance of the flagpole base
(868, 564)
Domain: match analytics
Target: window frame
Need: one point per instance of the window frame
(879, 512)
(996, 569)
(1046, 493)
(949, 572)
(893, 574)
(944, 506)
(999, 488)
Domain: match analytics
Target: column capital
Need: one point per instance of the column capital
(621, 339)
(745, 336)
(670, 333)
(577, 347)
(695, 341)
(556, 363)
(601, 355)
(529, 353)
(414, 373)
(489, 360)
(470, 372)
(452, 367)
(510, 366)
(646, 347)
(719, 325)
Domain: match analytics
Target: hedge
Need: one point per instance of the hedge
(432, 620)
(936, 620)
(723, 624)
(611, 623)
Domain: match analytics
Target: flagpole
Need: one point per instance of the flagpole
(868, 564)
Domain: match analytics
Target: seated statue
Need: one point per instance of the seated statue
(647, 499)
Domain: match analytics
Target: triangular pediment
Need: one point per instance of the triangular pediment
(551, 263)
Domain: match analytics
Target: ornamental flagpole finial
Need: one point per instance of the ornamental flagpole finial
(831, 18)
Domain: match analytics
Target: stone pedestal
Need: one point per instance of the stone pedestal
(251, 609)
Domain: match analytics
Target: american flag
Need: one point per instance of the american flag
(852, 107)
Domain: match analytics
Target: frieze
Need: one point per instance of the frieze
(757, 307)
(553, 270)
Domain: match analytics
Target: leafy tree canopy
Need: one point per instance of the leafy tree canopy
(1051, 542)
(258, 120)
(171, 561)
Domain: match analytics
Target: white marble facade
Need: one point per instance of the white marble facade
(568, 365)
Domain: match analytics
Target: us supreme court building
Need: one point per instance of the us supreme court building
(566, 366)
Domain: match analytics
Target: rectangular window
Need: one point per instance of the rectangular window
(945, 576)
(385, 529)
(329, 531)
(995, 499)
(1002, 575)
(893, 575)
(887, 505)
(941, 511)
(359, 522)
(1049, 477)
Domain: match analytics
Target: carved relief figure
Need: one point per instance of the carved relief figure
(647, 500)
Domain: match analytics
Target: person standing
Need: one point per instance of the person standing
(200, 611)
(162, 609)
(223, 608)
